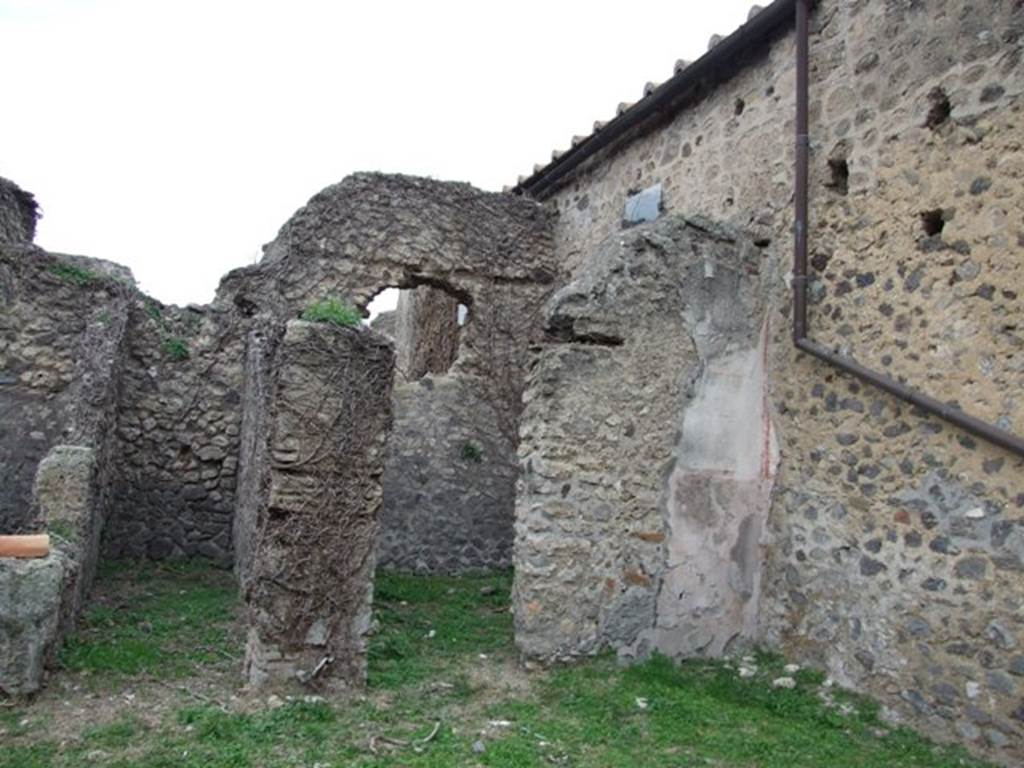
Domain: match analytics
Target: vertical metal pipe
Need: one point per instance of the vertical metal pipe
(800, 223)
(915, 397)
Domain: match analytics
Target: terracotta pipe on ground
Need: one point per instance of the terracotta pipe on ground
(950, 413)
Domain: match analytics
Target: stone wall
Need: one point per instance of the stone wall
(178, 429)
(316, 430)
(449, 485)
(61, 354)
(647, 457)
(426, 332)
(62, 330)
(40, 599)
(178, 418)
(18, 214)
(894, 548)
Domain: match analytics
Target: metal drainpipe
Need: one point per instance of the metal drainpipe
(950, 413)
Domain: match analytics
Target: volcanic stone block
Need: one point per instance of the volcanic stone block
(40, 599)
(317, 446)
(30, 609)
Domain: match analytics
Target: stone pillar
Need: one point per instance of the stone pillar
(321, 426)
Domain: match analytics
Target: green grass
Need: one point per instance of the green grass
(73, 274)
(436, 638)
(429, 624)
(165, 622)
(332, 311)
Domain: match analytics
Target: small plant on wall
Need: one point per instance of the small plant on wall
(175, 348)
(471, 452)
(73, 274)
(333, 311)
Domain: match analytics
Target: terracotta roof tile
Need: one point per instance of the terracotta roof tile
(680, 66)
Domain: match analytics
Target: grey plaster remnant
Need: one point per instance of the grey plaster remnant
(671, 313)
(643, 206)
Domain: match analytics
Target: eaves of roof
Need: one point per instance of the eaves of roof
(691, 82)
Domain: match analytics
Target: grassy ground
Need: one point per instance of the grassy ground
(151, 679)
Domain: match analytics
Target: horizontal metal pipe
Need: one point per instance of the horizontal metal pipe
(950, 413)
(946, 411)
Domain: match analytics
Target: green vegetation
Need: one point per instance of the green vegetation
(471, 452)
(165, 622)
(73, 274)
(429, 626)
(445, 689)
(175, 348)
(154, 312)
(63, 529)
(332, 311)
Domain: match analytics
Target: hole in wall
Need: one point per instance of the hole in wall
(425, 321)
(839, 175)
(933, 222)
(385, 301)
(740, 106)
(939, 108)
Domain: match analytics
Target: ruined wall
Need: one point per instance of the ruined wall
(61, 332)
(178, 430)
(18, 214)
(449, 489)
(62, 328)
(449, 482)
(40, 599)
(179, 412)
(647, 463)
(317, 427)
(895, 547)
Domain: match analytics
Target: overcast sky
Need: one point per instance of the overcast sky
(177, 137)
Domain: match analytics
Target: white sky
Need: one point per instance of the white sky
(177, 136)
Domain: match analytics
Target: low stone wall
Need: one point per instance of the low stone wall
(41, 598)
(30, 611)
(312, 497)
